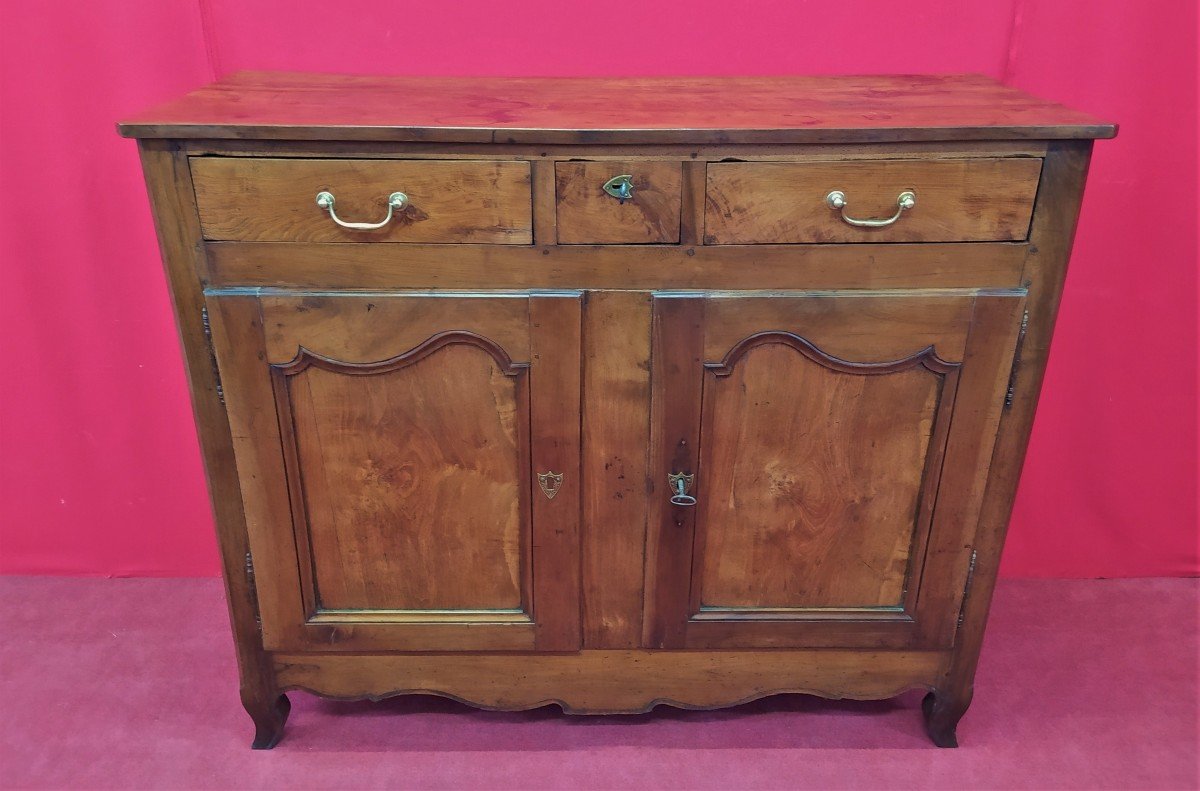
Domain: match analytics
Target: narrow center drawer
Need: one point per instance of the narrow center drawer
(644, 211)
(953, 200)
(275, 200)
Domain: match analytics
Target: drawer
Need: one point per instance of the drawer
(586, 214)
(956, 200)
(275, 200)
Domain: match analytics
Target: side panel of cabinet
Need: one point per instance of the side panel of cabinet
(389, 449)
(836, 446)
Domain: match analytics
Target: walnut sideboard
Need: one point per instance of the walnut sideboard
(613, 393)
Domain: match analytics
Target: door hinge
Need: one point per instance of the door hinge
(212, 355)
(1011, 394)
(962, 610)
(252, 588)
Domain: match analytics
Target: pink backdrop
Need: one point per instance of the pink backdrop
(100, 468)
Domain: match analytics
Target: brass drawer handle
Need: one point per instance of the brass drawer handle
(681, 484)
(620, 187)
(396, 201)
(905, 200)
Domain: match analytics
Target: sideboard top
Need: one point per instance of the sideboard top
(641, 110)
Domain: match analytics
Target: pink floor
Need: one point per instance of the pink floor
(131, 684)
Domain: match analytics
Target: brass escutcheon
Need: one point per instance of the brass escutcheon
(620, 187)
(681, 484)
(550, 482)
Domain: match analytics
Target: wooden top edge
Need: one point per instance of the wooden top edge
(614, 136)
(557, 110)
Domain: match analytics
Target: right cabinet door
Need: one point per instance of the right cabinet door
(818, 463)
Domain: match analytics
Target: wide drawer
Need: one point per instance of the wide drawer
(955, 200)
(269, 200)
(646, 212)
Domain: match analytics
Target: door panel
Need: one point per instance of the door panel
(388, 447)
(816, 476)
(435, 437)
(799, 513)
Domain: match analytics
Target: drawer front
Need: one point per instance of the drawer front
(586, 214)
(275, 200)
(956, 200)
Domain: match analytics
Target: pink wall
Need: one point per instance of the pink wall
(98, 458)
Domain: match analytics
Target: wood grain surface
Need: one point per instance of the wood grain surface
(822, 430)
(173, 201)
(766, 266)
(400, 513)
(589, 215)
(812, 478)
(274, 200)
(616, 430)
(819, 109)
(1054, 221)
(958, 200)
(410, 474)
(612, 682)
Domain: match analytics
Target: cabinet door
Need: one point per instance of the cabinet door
(409, 466)
(836, 447)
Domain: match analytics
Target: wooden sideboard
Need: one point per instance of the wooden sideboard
(613, 393)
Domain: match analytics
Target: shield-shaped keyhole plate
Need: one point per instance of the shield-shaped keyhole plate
(550, 482)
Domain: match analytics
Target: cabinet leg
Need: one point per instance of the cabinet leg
(942, 712)
(269, 715)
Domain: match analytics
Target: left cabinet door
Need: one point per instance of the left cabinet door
(409, 466)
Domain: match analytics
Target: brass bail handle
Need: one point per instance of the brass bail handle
(681, 484)
(904, 201)
(396, 201)
(620, 187)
